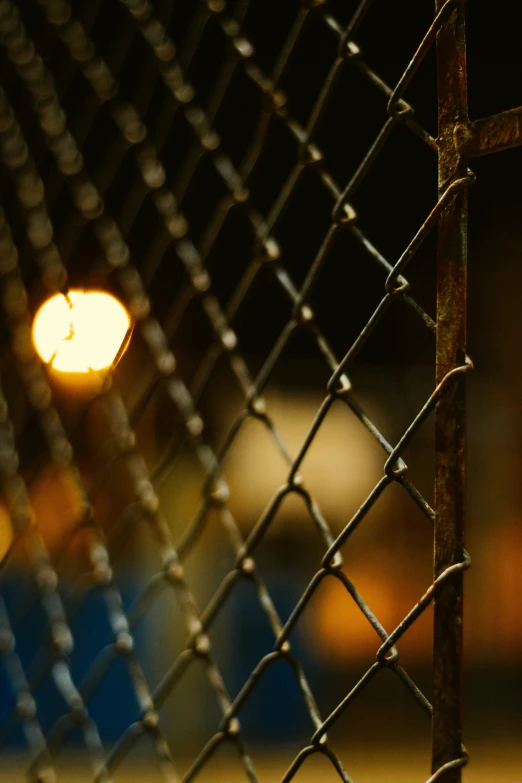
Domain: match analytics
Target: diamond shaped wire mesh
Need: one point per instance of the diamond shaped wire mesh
(134, 136)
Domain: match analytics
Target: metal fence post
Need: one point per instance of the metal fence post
(450, 412)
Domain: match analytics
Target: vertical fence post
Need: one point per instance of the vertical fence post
(450, 412)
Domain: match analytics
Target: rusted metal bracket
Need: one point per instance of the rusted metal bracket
(491, 134)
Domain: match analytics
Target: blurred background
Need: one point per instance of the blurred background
(383, 735)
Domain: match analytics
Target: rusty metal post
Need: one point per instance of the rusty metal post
(450, 412)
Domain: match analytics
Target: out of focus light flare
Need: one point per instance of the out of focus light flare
(81, 332)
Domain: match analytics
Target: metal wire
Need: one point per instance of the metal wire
(48, 152)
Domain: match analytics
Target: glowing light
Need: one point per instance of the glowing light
(80, 333)
(6, 532)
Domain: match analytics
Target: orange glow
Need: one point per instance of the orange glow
(6, 533)
(345, 634)
(80, 333)
(58, 507)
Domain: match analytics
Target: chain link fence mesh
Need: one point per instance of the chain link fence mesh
(208, 162)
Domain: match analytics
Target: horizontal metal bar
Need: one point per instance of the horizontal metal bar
(492, 134)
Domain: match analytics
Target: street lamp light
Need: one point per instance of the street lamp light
(80, 332)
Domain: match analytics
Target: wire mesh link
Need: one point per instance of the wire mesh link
(141, 149)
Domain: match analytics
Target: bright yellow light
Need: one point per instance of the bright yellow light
(81, 332)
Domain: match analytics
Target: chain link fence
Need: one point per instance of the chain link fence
(211, 163)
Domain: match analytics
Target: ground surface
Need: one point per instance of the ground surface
(490, 763)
